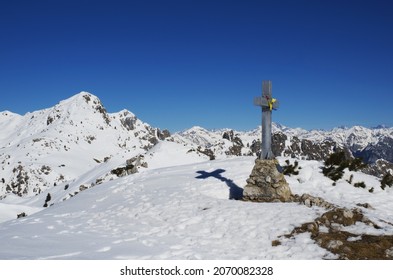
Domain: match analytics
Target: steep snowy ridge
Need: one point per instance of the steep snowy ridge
(58, 144)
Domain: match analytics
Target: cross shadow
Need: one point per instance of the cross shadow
(235, 192)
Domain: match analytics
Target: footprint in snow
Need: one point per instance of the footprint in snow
(104, 249)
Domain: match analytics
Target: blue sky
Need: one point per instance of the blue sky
(177, 64)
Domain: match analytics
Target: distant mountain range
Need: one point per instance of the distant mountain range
(371, 144)
(57, 145)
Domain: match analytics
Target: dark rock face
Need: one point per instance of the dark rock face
(256, 147)
(302, 148)
(380, 168)
(207, 152)
(278, 143)
(228, 135)
(129, 122)
(318, 151)
(381, 150)
(236, 149)
(162, 135)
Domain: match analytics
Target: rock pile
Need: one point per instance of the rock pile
(266, 183)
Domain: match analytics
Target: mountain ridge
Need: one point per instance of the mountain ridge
(285, 140)
(58, 144)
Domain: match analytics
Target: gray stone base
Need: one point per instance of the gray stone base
(266, 183)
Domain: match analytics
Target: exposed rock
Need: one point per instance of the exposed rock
(365, 205)
(131, 167)
(317, 151)
(379, 169)
(278, 143)
(228, 135)
(83, 188)
(389, 253)
(129, 122)
(236, 149)
(255, 147)
(207, 152)
(162, 135)
(47, 199)
(19, 182)
(383, 149)
(301, 148)
(310, 201)
(266, 183)
(334, 244)
(334, 238)
(21, 215)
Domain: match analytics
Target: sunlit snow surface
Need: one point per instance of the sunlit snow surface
(175, 213)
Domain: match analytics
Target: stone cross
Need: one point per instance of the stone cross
(268, 104)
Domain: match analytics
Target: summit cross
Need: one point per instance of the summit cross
(267, 103)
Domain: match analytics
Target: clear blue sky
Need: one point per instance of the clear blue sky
(176, 64)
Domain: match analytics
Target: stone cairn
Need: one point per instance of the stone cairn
(266, 183)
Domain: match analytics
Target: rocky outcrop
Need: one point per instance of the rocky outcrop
(162, 135)
(379, 169)
(236, 148)
(266, 183)
(278, 143)
(131, 167)
(330, 232)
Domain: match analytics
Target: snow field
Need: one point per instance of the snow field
(164, 213)
(182, 212)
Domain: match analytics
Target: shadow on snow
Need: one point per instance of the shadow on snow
(235, 192)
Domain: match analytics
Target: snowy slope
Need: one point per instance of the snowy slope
(181, 212)
(163, 213)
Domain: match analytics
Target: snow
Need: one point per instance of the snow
(173, 213)
(164, 213)
(178, 206)
(166, 154)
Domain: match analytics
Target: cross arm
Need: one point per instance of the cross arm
(264, 102)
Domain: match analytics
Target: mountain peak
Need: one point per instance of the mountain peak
(58, 144)
(80, 99)
(380, 126)
(78, 107)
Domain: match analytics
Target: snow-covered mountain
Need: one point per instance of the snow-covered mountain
(59, 144)
(64, 173)
(371, 144)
